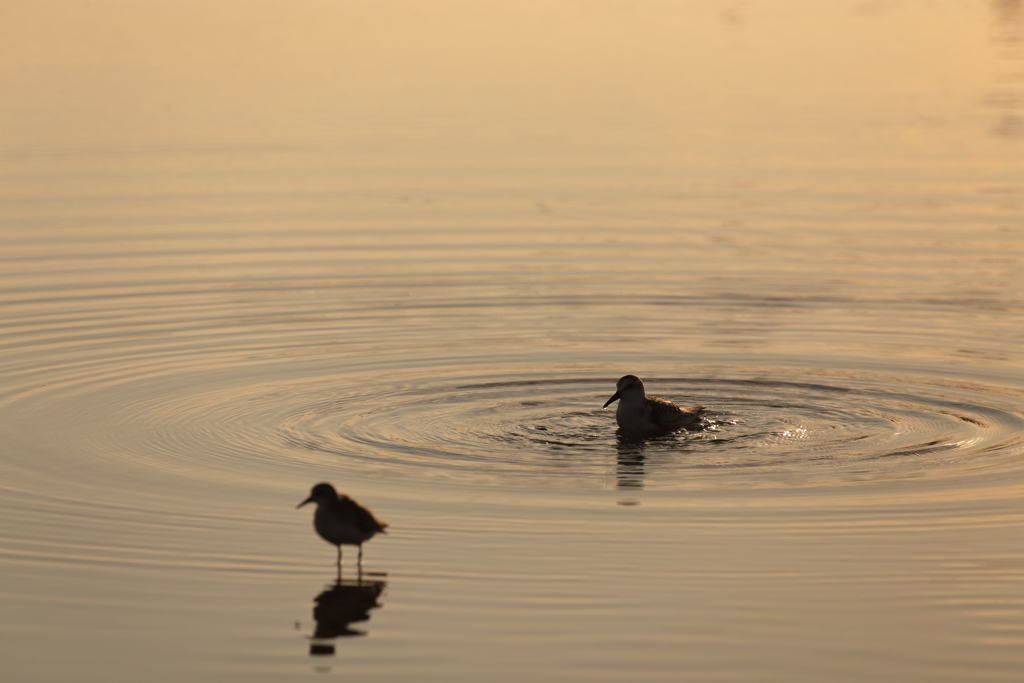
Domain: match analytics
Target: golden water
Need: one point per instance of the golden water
(408, 248)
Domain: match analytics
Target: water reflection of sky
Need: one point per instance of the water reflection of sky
(1007, 98)
(407, 249)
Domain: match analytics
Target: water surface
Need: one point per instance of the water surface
(409, 250)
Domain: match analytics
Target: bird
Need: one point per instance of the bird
(643, 415)
(340, 520)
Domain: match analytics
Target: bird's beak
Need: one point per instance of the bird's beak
(614, 398)
(308, 500)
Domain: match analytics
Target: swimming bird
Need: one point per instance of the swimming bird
(640, 414)
(340, 520)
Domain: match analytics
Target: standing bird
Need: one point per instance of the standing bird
(340, 520)
(643, 415)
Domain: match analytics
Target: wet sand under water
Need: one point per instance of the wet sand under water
(409, 251)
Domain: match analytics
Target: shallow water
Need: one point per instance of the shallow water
(409, 250)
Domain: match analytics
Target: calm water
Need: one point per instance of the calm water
(409, 248)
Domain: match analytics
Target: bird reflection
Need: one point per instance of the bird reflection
(344, 603)
(629, 466)
(631, 455)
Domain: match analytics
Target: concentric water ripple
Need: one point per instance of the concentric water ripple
(758, 432)
(764, 429)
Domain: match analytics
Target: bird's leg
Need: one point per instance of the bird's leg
(360, 554)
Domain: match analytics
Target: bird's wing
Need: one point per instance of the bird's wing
(668, 415)
(693, 412)
(365, 521)
(664, 414)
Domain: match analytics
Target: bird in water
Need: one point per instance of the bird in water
(643, 415)
(340, 520)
